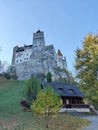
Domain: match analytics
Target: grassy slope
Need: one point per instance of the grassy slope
(12, 117)
(11, 93)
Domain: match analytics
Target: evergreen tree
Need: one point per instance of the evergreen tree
(49, 77)
(86, 64)
(33, 88)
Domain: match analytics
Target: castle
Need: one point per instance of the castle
(38, 59)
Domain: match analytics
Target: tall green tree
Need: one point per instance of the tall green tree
(49, 77)
(86, 64)
(47, 102)
(70, 78)
(33, 88)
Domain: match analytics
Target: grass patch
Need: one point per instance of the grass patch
(12, 117)
(11, 93)
(25, 121)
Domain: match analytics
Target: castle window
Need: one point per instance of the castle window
(20, 60)
(17, 61)
(27, 58)
(27, 54)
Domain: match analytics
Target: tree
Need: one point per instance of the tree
(33, 88)
(70, 78)
(10, 72)
(86, 64)
(49, 77)
(47, 102)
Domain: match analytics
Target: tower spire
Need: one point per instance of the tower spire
(59, 52)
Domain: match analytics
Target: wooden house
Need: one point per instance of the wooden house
(71, 95)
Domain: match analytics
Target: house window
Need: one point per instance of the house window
(70, 90)
(60, 90)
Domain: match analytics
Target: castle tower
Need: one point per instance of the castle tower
(14, 55)
(38, 39)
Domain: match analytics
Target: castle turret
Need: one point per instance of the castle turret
(59, 54)
(61, 61)
(38, 39)
(14, 54)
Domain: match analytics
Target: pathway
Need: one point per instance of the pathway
(94, 122)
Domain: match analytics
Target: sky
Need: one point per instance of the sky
(65, 24)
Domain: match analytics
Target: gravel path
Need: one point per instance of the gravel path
(94, 123)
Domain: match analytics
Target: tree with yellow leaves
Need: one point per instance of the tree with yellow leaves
(47, 102)
(86, 64)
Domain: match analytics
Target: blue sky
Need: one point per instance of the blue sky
(65, 23)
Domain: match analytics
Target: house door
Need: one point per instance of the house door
(68, 105)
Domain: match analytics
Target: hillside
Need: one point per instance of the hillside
(12, 117)
(11, 93)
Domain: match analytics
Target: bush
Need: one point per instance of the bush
(14, 77)
(25, 104)
(7, 76)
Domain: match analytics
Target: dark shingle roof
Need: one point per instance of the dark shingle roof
(67, 90)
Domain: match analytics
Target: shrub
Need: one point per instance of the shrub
(14, 77)
(7, 76)
(25, 104)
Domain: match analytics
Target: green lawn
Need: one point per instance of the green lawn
(12, 117)
(11, 93)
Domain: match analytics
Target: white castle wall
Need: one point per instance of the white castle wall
(23, 56)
